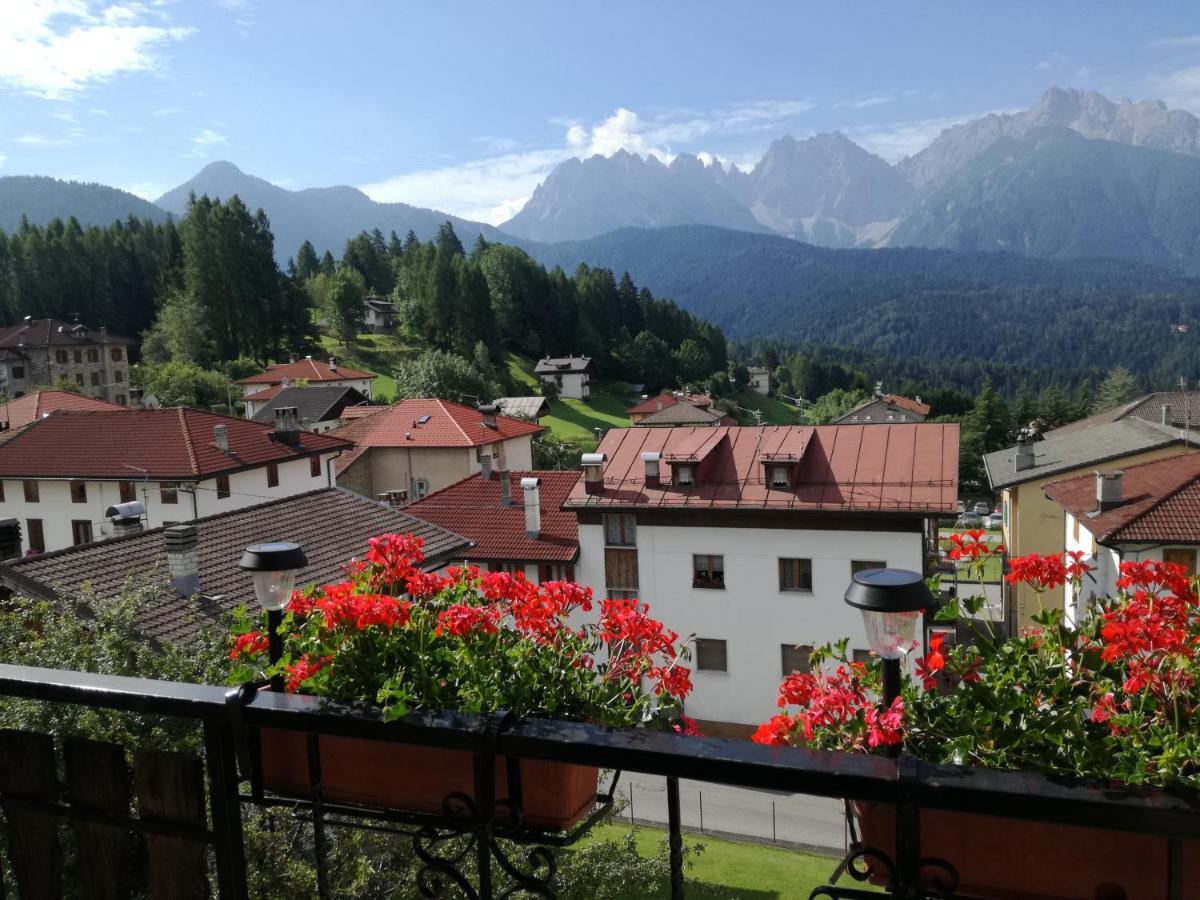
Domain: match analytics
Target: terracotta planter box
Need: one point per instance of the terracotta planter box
(398, 776)
(1012, 859)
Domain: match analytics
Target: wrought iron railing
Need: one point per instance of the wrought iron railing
(183, 804)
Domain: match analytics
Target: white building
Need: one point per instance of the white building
(61, 475)
(747, 538)
(379, 315)
(415, 447)
(1144, 512)
(258, 390)
(570, 374)
(760, 379)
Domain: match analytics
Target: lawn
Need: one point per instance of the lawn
(574, 421)
(729, 869)
(378, 353)
(992, 567)
(774, 411)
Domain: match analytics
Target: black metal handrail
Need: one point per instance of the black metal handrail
(906, 781)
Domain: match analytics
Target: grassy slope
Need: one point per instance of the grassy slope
(378, 353)
(774, 411)
(732, 869)
(574, 420)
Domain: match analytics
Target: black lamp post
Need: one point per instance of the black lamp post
(274, 567)
(892, 602)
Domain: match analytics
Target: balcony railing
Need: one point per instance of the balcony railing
(196, 808)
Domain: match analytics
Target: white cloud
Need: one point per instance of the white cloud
(1083, 72)
(167, 111)
(147, 190)
(55, 48)
(34, 139)
(896, 140)
(494, 188)
(1183, 40)
(204, 141)
(1044, 64)
(1179, 88)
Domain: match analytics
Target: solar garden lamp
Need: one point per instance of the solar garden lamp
(274, 567)
(892, 602)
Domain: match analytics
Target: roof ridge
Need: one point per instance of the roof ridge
(187, 441)
(1156, 504)
(454, 418)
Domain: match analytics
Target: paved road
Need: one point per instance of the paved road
(814, 822)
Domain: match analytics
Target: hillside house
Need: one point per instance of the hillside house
(747, 537)
(1149, 511)
(258, 390)
(319, 407)
(886, 409)
(650, 405)
(61, 475)
(1032, 522)
(570, 374)
(514, 520)
(39, 352)
(685, 414)
(414, 447)
(379, 315)
(200, 559)
(531, 408)
(760, 379)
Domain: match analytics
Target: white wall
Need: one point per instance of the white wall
(572, 385)
(56, 509)
(751, 614)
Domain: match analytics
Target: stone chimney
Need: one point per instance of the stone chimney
(287, 425)
(221, 437)
(533, 507)
(1024, 457)
(333, 364)
(650, 459)
(183, 562)
(1108, 490)
(488, 411)
(485, 466)
(593, 472)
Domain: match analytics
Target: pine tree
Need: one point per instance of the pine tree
(447, 241)
(1118, 388)
(307, 262)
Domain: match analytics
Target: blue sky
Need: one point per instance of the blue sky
(465, 106)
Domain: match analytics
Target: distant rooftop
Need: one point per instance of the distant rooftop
(317, 403)
(1179, 409)
(662, 401)
(307, 369)
(523, 407)
(34, 406)
(54, 333)
(552, 365)
(684, 414)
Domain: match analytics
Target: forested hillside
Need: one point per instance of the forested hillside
(39, 199)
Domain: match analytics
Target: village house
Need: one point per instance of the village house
(200, 559)
(40, 352)
(886, 409)
(319, 407)
(414, 447)
(685, 414)
(1149, 511)
(258, 390)
(760, 379)
(570, 374)
(531, 408)
(665, 400)
(39, 404)
(1177, 409)
(747, 538)
(60, 476)
(514, 520)
(379, 315)
(1032, 522)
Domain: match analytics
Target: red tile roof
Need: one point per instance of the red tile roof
(472, 508)
(308, 369)
(47, 332)
(913, 406)
(909, 468)
(446, 425)
(663, 401)
(34, 406)
(263, 396)
(1161, 502)
(170, 444)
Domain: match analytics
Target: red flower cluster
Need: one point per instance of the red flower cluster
(886, 727)
(252, 643)
(674, 679)
(970, 545)
(304, 669)
(461, 620)
(929, 665)
(633, 638)
(543, 611)
(1044, 573)
(341, 607)
(394, 558)
(823, 699)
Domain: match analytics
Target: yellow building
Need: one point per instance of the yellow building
(1035, 524)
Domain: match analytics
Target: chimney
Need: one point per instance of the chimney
(1108, 490)
(533, 507)
(221, 437)
(287, 425)
(505, 488)
(126, 527)
(333, 364)
(126, 518)
(593, 472)
(658, 405)
(104, 334)
(650, 458)
(1166, 414)
(1024, 458)
(485, 466)
(183, 563)
(291, 358)
(488, 411)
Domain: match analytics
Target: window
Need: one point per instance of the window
(18, 372)
(795, 575)
(795, 658)
(780, 476)
(116, 354)
(81, 531)
(93, 354)
(420, 488)
(78, 355)
(272, 475)
(1181, 556)
(711, 655)
(32, 491)
(127, 491)
(60, 356)
(708, 571)
(684, 474)
(620, 530)
(95, 379)
(35, 535)
(79, 491)
(168, 492)
(621, 569)
(510, 567)
(555, 573)
(314, 466)
(118, 375)
(79, 378)
(861, 565)
(222, 487)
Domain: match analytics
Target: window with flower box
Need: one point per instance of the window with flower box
(708, 572)
(796, 575)
(711, 655)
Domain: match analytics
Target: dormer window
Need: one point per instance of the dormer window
(780, 476)
(685, 474)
